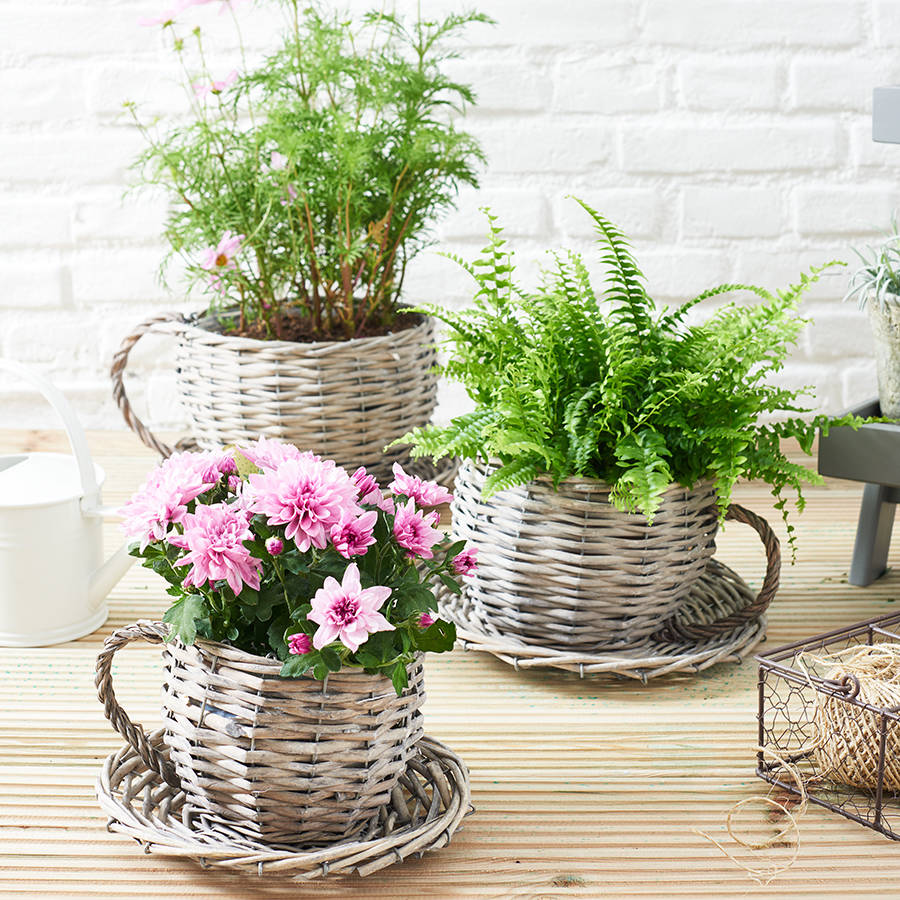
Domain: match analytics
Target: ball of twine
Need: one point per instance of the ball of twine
(848, 741)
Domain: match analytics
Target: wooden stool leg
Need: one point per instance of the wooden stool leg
(873, 534)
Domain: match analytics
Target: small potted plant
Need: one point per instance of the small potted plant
(300, 190)
(876, 285)
(302, 607)
(606, 438)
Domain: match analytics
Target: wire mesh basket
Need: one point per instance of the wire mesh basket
(829, 721)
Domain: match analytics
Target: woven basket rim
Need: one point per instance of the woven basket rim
(581, 482)
(196, 322)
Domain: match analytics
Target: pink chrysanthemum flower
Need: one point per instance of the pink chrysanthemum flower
(205, 88)
(269, 453)
(425, 493)
(299, 644)
(164, 497)
(307, 495)
(427, 619)
(413, 531)
(221, 256)
(353, 536)
(466, 563)
(348, 612)
(214, 538)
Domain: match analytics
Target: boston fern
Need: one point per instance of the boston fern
(568, 382)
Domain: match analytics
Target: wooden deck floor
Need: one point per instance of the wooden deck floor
(583, 788)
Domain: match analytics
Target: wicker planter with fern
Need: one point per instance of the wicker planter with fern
(616, 432)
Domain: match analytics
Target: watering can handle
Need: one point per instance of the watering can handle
(77, 438)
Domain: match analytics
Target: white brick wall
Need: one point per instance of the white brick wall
(730, 138)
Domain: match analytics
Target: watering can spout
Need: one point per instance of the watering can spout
(109, 574)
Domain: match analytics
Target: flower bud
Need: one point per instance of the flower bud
(275, 546)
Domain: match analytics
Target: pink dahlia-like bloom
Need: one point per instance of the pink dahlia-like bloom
(214, 538)
(466, 563)
(413, 531)
(348, 612)
(274, 546)
(353, 537)
(221, 256)
(308, 495)
(299, 644)
(425, 493)
(164, 497)
(427, 619)
(216, 86)
(268, 453)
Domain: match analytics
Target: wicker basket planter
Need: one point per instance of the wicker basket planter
(566, 570)
(278, 760)
(344, 399)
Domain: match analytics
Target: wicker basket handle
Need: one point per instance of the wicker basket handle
(167, 323)
(154, 633)
(751, 611)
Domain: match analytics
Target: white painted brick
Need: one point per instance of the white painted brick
(522, 213)
(838, 83)
(47, 337)
(780, 146)
(844, 209)
(868, 153)
(79, 158)
(41, 93)
(637, 212)
(517, 86)
(753, 23)
(539, 145)
(32, 284)
(887, 22)
(858, 383)
(774, 268)
(724, 84)
(826, 392)
(156, 89)
(676, 274)
(839, 331)
(107, 214)
(117, 275)
(27, 220)
(596, 86)
(722, 211)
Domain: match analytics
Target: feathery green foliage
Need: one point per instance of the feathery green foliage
(331, 160)
(567, 382)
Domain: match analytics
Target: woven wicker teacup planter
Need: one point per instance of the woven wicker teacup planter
(284, 761)
(344, 399)
(565, 569)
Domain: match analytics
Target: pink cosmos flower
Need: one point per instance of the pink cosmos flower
(299, 644)
(347, 611)
(425, 493)
(164, 496)
(221, 255)
(353, 536)
(427, 619)
(205, 88)
(168, 17)
(274, 546)
(466, 563)
(268, 453)
(308, 495)
(413, 531)
(214, 538)
(278, 161)
(292, 195)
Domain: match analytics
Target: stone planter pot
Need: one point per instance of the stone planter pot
(885, 321)
(345, 400)
(291, 761)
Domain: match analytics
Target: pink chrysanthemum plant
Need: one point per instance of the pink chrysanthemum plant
(282, 553)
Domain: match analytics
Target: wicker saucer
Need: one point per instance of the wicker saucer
(718, 594)
(423, 815)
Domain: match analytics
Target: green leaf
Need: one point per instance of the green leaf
(182, 616)
(244, 466)
(331, 659)
(437, 638)
(450, 583)
(295, 666)
(399, 678)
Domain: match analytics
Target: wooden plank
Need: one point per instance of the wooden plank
(583, 788)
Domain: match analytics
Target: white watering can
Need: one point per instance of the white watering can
(53, 583)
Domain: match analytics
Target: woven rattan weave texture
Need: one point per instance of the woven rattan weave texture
(565, 569)
(344, 399)
(279, 760)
